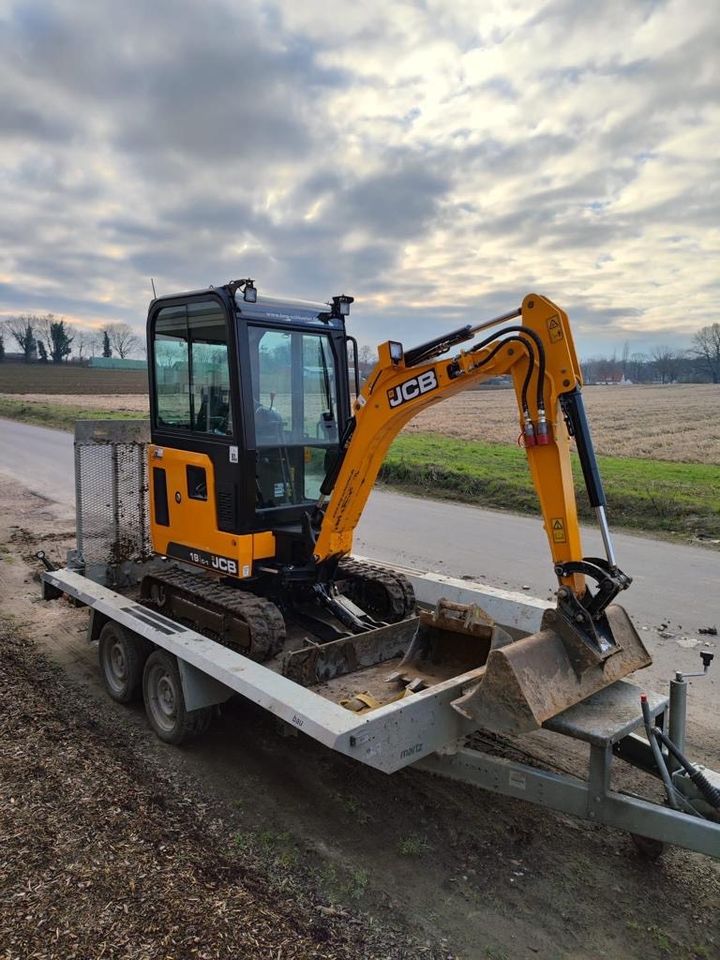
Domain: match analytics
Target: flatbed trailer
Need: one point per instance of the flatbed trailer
(422, 729)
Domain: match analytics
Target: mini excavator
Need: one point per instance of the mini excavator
(265, 447)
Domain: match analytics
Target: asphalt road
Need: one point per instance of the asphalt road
(673, 584)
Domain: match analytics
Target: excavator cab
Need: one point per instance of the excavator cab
(249, 397)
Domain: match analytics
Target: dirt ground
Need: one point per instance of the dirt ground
(249, 843)
(679, 422)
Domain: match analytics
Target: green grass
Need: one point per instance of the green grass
(651, 495)
(413, 846)
(56, 414)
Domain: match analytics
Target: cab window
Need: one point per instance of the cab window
(192, 378)
(295, 411)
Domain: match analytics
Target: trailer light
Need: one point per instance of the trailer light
(341, 305)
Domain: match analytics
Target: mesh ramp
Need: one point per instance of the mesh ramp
(111, 496)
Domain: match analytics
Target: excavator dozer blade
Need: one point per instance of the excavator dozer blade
(528, 681)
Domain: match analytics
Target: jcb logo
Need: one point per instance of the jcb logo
(412, 388)
(223, 564)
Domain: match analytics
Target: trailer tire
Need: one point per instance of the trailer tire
(165, 702)
(121, 655)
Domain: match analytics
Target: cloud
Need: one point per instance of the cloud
(436, 160)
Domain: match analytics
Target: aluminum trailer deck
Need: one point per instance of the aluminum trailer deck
(422, 730)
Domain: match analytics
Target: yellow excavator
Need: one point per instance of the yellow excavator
(265, 447)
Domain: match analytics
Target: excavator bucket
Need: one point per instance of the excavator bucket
(526, 682)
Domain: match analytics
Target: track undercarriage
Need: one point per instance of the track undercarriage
(252, 623)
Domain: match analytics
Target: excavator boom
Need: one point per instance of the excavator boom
(403, 384)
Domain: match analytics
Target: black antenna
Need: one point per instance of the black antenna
(152, 282)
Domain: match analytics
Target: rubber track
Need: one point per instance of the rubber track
(266, 623)
(398, 589)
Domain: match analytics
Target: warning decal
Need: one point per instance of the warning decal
(555, 329)
(558, 530)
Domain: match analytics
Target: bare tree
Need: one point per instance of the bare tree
(626, 361)
(667, 363)
(83, 340)
(122, 339)
(21, 328)
(706, 348)
(367, 354)
(42, 331)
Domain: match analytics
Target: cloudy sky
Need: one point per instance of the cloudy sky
(435, 158)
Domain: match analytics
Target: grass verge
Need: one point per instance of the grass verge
(650, 495)
(56, 414)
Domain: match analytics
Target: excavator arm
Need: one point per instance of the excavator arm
(534, 345)
(537, 350)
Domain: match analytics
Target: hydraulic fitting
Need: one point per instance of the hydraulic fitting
(542, 430)
(528, 433)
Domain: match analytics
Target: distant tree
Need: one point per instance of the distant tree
(706, 349)
(21, 329)
(60, 340)
(626, 361)
(2, 347)
(667, 363)
(42, 352)
(366, 354)
(95, 343)
(82, 339)
(122, 339)
(41, 331)
(638, 367)
(106, 347)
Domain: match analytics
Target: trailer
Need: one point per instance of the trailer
(353, 694)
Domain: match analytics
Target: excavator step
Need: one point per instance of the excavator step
(242, 621)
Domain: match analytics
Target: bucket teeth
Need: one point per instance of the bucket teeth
(531, 680)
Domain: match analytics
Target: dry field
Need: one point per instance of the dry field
(119, 403)
(677, 422)
(67, 379)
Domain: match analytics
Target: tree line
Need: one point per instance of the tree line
(49, 339)
(700, 363)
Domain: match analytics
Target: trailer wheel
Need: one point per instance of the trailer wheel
(121, 655)
(165, 703)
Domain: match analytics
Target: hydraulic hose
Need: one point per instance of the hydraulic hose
(526, 331)
(711, 793)
(531, 364)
